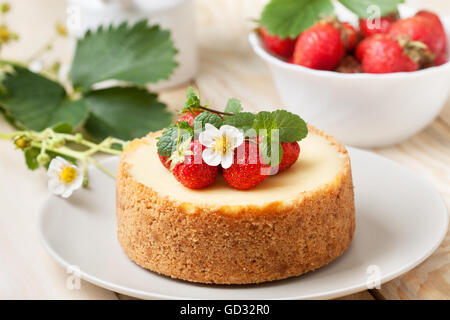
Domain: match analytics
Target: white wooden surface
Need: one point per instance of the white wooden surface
(227, 68)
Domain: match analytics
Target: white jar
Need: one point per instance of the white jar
(176, 15)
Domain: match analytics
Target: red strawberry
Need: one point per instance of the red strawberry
(291, 152)
(349, 64)
(281, 47)
(441, 59)
(349, 36)
(384, 54)
(189, 117)
(424, 29)
(245, 172)
(319, 47)
(370, 27)
(362, 47)
(164, 160)
(439, 29)
(193, 175)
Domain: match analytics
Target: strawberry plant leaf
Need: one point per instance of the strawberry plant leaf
(62, 127)
(137, 54)
(233, 106)
(288, 18)
(34, 102)
(124, 112)
(362, 7)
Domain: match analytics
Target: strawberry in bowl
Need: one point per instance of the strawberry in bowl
(368, 89)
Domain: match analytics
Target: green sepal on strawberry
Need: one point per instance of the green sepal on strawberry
(425, 27)
(318, 46)
(383, 53)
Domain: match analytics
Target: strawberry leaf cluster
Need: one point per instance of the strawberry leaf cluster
(270, 128)
(132, 54)
(288, 18)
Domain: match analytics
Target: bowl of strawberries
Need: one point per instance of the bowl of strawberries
(370, 76)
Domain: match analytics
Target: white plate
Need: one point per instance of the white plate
(400, 221)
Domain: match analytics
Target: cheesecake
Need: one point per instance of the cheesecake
(294, 222)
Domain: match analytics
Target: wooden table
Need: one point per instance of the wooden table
(228, 68)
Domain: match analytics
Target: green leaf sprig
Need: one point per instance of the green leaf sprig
(290, 128)
(289, 18)
(134, 55)
(40, 148)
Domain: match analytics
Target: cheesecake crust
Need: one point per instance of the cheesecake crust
(234, 244)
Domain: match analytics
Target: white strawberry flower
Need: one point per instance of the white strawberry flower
(64, 177)
(220, 144)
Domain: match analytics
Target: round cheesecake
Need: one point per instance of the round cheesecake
(292, 223)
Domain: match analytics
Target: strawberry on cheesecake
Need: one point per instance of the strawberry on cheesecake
(248, 222)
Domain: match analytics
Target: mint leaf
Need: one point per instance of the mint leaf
(361, 7)
(138, 54)
(242, 120)
(207, 117)
(185, 126)
(31, 158)
(192, 100)
(288, 18)
(264, 120)
(233, 106)
(167, 143)
(34, 102)
(292, 127)
(264, 124)
(124, 112)
(266, 146)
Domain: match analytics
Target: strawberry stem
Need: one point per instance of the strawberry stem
(215, 111)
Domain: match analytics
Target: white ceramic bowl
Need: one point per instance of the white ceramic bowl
(365, 110)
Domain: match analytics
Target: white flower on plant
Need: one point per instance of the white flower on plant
(64, 177)
(220, 144)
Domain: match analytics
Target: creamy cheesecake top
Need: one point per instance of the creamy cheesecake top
(320, 163)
